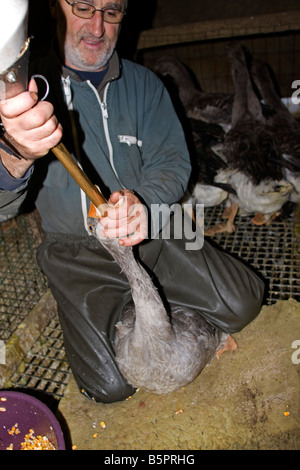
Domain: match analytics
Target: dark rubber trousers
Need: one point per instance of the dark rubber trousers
(91, 292)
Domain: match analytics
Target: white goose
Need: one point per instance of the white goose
(157, 350)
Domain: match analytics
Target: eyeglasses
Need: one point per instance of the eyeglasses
(86, 10)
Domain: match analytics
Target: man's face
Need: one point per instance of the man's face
(86, 44)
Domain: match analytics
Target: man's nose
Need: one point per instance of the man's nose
(96, 24)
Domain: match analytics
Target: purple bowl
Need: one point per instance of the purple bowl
(29, 413)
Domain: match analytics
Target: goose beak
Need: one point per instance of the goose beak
(93, 212)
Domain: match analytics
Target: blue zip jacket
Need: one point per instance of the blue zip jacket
(125, 134)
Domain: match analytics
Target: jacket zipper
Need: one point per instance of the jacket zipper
(68, 95)
(103, 107)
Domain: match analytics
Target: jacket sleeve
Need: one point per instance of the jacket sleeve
(12, 193)
(10, 203)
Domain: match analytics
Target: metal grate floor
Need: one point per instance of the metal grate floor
(22, 285)
(21, 282)
(273, 251)
(46, 367)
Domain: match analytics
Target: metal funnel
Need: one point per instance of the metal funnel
(14, 46)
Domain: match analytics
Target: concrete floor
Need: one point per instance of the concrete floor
(248, 400)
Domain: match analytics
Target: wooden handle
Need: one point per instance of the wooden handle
(92, 192)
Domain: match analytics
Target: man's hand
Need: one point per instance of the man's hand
(31, 126)
(126, 218)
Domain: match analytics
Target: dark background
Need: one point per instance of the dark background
(145, 14)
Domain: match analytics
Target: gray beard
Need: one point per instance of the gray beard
(74, 58)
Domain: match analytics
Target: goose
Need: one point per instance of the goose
(207, 117)
(286, 128)
(208, 107)
(251, 150)
(209, 183)
(158, 350)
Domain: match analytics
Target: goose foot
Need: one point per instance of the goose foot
(231, 211)
(226, 227)
(230, 345)
(263, 219)
(218, 228)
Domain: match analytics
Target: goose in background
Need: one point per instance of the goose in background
(251, 150)
(205, 117)
(208, 107)
(286, 128)
(158, 350)
(210, 180)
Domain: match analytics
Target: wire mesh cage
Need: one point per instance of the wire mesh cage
(275, 39)
(21, 282)
(273, 251)
(22, 286)
(45, 367)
